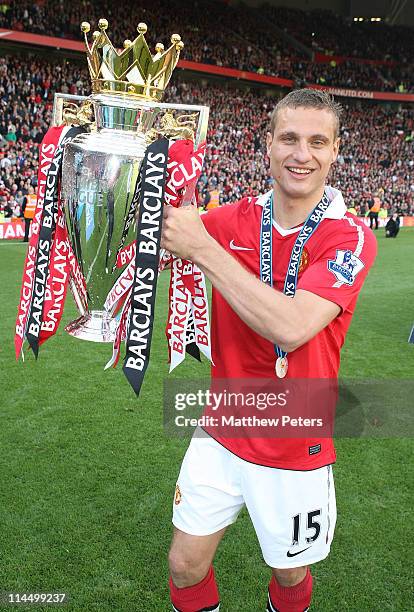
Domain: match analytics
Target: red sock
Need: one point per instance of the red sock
(201, 596)
(290, 599)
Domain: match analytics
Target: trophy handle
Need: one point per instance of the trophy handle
(59, 105)
(202, 123)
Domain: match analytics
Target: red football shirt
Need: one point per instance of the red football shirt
(335, 263)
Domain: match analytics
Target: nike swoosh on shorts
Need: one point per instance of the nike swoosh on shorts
(289, 554)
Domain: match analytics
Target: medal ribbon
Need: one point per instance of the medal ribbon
(308, 229)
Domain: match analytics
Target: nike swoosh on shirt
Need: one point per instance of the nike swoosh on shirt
(234, 247)
(289, 554)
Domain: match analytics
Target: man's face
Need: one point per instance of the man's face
(302, 149)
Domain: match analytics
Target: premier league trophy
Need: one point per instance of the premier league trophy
(121, 155)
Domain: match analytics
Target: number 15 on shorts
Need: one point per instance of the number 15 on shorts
(305, 526)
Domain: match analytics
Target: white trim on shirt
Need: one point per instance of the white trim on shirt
(336, 209)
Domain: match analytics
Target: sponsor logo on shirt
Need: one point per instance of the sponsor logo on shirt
(345, 267)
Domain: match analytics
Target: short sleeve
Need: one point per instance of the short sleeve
(338, 273)
(218, 220)
(211, 221)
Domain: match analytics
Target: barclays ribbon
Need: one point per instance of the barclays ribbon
(45, 242)
(144, 288)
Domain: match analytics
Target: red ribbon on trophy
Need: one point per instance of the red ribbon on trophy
(51, 265)
(49, 262)
(188, 317)
(188, 332)
(188, 324)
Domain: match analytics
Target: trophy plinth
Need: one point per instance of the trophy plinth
(95, 326)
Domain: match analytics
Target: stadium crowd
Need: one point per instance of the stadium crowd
(376, 153)
(327, 32)
(251, 39)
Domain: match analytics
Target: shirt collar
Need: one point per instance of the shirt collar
(335, 210)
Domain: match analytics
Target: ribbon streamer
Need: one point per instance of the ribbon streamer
(44, 247)
(141, 319)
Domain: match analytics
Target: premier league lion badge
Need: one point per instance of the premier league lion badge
(345, 267)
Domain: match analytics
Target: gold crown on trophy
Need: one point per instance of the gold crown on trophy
(134, 70)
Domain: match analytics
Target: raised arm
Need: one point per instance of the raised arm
(288, 322)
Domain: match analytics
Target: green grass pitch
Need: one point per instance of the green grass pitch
(87, 474)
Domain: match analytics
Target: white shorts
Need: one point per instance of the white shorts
(293, 513)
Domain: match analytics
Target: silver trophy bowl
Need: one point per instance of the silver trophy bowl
(99, 180)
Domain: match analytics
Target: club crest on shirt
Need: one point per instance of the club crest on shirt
(345, 266)
(304, 261)
(177, 496)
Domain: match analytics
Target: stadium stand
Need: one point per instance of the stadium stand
(250, 39)
(377, 142)
(325, 31)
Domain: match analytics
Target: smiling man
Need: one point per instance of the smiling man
(286, 270)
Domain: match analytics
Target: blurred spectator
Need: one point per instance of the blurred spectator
(28, 210)
(393, 227)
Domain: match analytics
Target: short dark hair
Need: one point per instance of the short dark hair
(309, 98)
